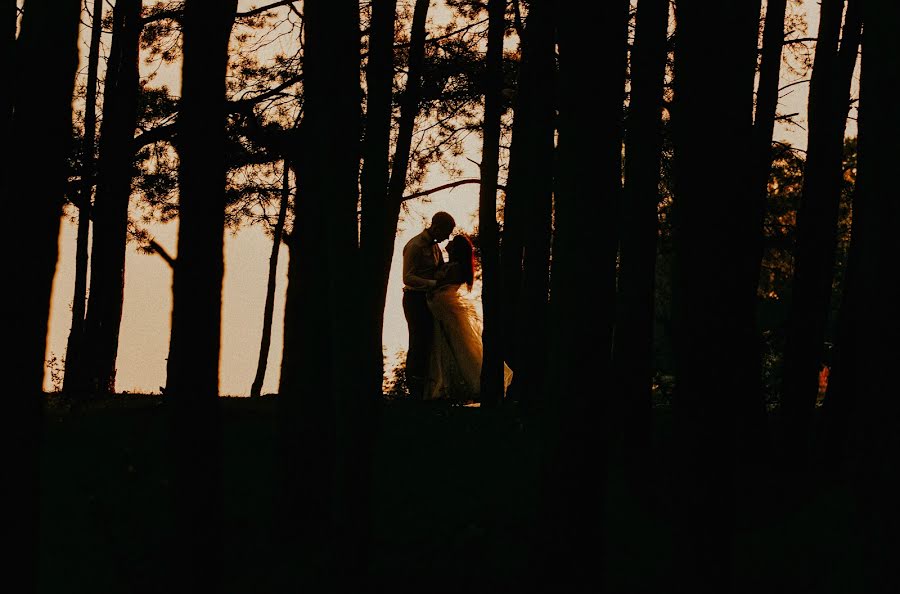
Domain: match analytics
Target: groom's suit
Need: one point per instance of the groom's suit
(421, 259)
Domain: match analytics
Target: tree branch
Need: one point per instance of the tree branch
(152, 246)
(255, 11)
(447, 186)
(153, 135)
(242, 103)
(793, 84)
(800, 40)
(177, 13)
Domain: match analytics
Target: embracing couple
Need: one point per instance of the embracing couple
(445, 350)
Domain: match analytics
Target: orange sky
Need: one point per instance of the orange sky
(145, 324)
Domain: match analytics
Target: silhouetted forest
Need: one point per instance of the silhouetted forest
(701, 318)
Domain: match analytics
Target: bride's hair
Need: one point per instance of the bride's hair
(463, 253)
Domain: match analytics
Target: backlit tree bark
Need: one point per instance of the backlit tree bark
(95, 370)
(378, 249)
(269, 310)
(588, 186)
(829, 103)
(874, 334)
(488, 231)
(527, 211)
(192, 387)
(85, 191)
(41, 86)
(374, 185)
(326, 414)
(714, 305)
(633, 349)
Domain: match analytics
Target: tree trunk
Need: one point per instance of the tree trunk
(488, 231)
(41, 85)
(409, 110)
(277, 234)
(829, 102)
(874, 335)
(755, 443)
(9, 47)
(85, 191)
(714, 312)
(326, 408)
(110, 210)
(374, 185)
(192, 387)
(588, 186)
(633, 347)
(527, 213)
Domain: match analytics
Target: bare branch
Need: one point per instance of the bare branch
(177, 13)
(153, 135)
(793, 84)
(800, 40)
(152, 246)
(255, 11)
(447, 186)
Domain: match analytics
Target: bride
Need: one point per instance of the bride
(455, 364)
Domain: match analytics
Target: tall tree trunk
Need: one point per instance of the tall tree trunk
(41, 84)
(11, 18)
(192, 387)
(814, 256)
(277, 234)
(633, 348)
(527, 213)
(85, 190)
(110, 211)
(330, 414)
(755, 442)
(764, 120)
(874, 335)
(374, 185)
(588, 186)
(488, 231)
(840, 401)
(409, 110)
(714, 313)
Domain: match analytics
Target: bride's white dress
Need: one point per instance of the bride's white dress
(456, 355)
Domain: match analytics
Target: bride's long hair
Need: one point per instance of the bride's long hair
(463, 253)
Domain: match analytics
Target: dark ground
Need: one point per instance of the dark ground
(444, 510)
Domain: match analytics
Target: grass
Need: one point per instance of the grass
(454, 493)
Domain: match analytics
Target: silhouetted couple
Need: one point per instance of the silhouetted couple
(445, 350)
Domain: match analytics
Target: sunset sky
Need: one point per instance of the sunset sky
(145, 324)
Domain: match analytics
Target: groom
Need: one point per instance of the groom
(421, 258)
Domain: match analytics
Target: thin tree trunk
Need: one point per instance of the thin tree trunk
(755, 443)
(874, 336)
(41, 84)
(527, 212)
(840, 402)
(192, 387)
(814, 257)
(277, 234)
(488, 231)
(588, 186)
(88, 168)
(714, 314)
(11, 17)
(409, 110)
(374, 184)
(633, 347)
(110, 210)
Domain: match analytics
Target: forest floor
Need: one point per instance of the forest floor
(455, 489)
